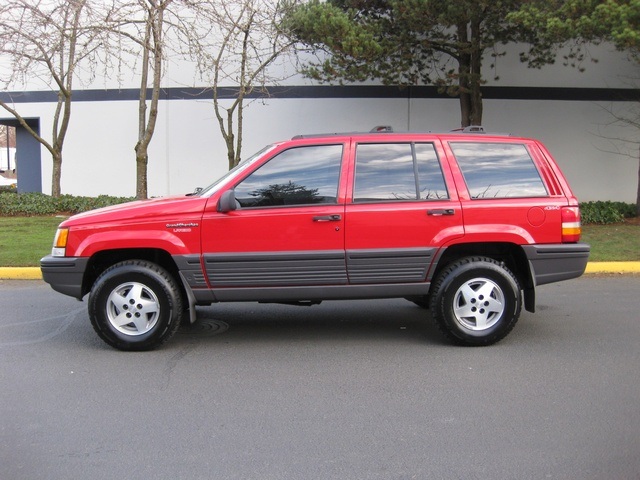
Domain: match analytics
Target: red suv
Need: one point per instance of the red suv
(466, 224)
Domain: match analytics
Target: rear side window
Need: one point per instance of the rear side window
(298, 176)
(498, 170)
(398, 171)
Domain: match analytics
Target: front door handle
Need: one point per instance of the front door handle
(328, 218)
(441, 211)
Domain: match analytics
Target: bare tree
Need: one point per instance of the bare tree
(149, 32)
(624, 118)
(152, 57)
(44, 41)
(247, 39)
(142, 25)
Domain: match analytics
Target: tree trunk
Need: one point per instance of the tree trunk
(638, 192)
(56, 174)
(152, 51)
(142, 160)
(464, 68)
(469, 75)
(465, 109)
(475, 76)
(231, 153)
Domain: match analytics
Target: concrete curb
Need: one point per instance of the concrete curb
(613, 267)
(20, 273)
(33, 273)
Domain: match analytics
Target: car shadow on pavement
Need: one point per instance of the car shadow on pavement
(377, 320)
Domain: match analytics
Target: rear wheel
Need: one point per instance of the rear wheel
(476, 301)
(135, 305)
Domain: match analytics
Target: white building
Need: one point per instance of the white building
(568, 110)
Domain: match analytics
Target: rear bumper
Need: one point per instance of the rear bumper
(557, 262)
(64, 274)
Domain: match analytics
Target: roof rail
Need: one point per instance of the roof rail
(470, 129)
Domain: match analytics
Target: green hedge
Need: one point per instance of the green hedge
(606, 212)
(8, 188)
(31, 204)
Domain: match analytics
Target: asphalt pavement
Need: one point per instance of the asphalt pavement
(342, 390)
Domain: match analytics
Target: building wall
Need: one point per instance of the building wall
(187, 150)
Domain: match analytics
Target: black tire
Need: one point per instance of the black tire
(142, 292)
(476, 301)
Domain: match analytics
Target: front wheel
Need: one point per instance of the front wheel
(135, 305)
(476, 301)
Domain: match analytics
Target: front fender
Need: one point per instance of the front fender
(174, 243)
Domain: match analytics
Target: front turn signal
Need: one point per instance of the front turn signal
(60, 242)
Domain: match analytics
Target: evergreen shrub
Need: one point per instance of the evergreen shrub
(31, 204)
(606, 212)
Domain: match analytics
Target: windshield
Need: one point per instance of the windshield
(208, 191)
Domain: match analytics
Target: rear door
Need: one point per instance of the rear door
(402, 208)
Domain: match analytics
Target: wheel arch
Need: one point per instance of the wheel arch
(102, 260)
(511, 254)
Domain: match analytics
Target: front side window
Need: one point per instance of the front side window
(298, 176)
(498, 170)
(398, 171)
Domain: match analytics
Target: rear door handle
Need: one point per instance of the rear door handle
(328, 218)
(438, 212)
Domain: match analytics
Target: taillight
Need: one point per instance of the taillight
(571, 229)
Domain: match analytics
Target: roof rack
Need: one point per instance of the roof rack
(382, 129)
(480, 130)
(377, 129)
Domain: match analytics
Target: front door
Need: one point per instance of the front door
(287, 230)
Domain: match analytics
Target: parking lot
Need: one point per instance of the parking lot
(343, 390)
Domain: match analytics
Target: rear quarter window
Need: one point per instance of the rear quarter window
(498, 170)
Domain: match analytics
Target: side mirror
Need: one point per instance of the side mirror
(227, 201)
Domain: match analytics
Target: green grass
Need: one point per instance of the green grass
(25, 240)
(613, 243)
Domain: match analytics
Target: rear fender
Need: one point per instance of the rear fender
(501, 233)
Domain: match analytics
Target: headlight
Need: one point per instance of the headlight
(60, 242)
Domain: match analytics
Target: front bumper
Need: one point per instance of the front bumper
(557, 262)
(64, 274)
